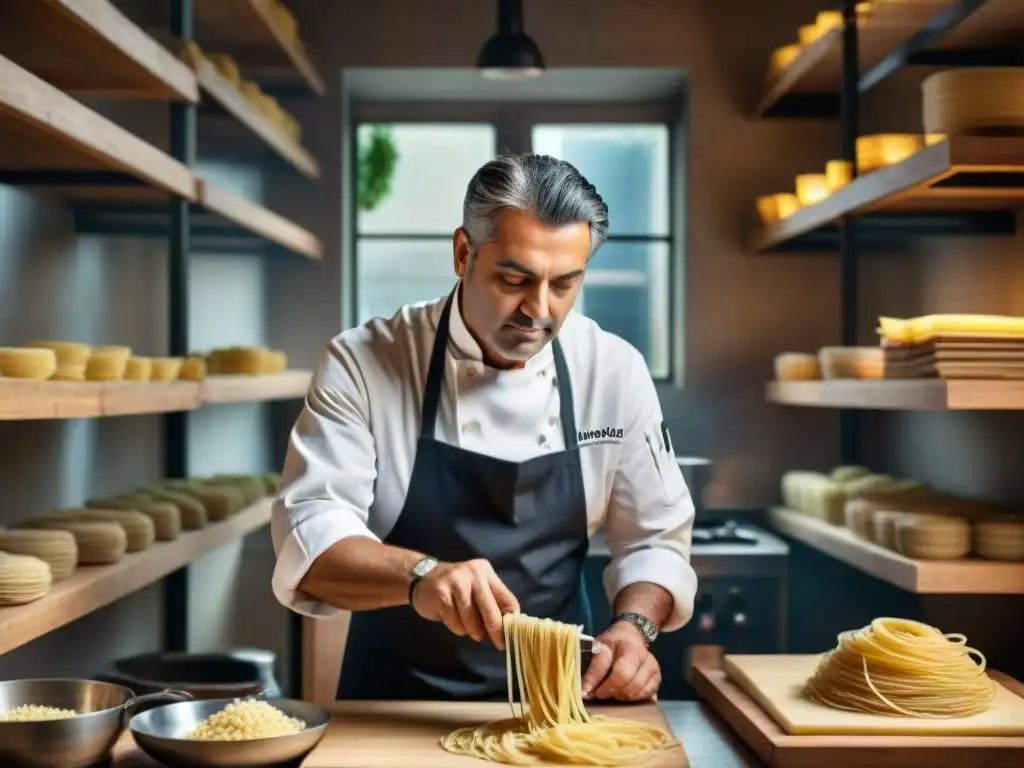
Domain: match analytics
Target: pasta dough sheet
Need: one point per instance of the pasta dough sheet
(776, 683)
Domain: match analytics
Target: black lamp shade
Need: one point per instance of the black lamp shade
(510, 53)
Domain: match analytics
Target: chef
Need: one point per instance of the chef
(452, 461)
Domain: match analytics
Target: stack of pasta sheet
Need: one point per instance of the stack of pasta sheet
(953, 347)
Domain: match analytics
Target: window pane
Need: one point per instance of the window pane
(435, 163)
(390, 273)
(627, 163)
(626, 292)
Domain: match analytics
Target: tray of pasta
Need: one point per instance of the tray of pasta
(893, 694)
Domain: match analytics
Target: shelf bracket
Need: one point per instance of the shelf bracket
(183, 149)
(849, 114)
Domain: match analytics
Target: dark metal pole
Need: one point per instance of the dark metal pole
(849, 106)
(183, 148)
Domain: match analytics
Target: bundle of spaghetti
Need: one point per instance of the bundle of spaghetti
(107, 363)
(552, 725)
(71, 358)
(903, 667)
(220, 502)
(165, 516)
(166, 368)
(192, 512)
(138, 369)
(193, 368)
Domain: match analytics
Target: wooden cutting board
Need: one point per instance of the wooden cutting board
(776, 682)
(406, 734)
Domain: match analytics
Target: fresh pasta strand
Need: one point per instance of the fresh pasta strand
(552, 724)
(903, 667)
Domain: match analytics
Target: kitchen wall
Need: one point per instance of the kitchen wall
(56, 284)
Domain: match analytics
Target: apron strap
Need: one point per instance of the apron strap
(435, 372)
(565, 403)
(435, 378)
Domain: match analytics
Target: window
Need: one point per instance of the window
(403, 248)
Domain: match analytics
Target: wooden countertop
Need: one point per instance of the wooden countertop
(401, 733)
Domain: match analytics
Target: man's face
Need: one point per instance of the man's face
(518, 289)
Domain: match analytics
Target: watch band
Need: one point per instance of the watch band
(421, 569)
(647, 628)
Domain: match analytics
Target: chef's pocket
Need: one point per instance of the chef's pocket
(659, 444)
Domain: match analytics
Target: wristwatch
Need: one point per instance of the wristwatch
(647, 627)
(421, 569)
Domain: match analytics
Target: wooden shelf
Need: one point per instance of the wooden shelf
(226, 96)
(956, 577)
(995, 24)
(48, 137)
(901, 394)
(24, 400)
(91, 587)
(241, 389)
(988, 170)
(246, 30)
(220, 219)
(91, 48)
(817, 70)
(262, 221)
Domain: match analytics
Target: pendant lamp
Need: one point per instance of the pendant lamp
(510, 54)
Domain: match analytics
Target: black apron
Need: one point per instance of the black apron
(529, 520)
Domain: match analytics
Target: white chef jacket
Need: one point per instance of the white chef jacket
(351, 452)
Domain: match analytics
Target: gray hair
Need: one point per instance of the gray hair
(549, 189)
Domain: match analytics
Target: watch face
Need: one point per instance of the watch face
(423, 567)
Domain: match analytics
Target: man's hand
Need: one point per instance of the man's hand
(624, 669)
(468, 597)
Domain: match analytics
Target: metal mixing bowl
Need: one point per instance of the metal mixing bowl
(162, 733)
(76, 741)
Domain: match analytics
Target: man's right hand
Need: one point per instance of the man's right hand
(468, 597)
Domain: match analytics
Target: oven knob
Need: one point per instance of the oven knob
(737, 608)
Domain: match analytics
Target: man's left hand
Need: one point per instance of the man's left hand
(624, 669)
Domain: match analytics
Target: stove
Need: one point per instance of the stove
(740, 604)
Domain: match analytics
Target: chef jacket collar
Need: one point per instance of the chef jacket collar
(465, 347)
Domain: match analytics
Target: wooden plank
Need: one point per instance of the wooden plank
(90, 47)
(948, 577)
(908, 186)
(780, 750)
(900, 394)
(22, 399)
(818, 68)
(247, 31)
(239, 107)
(240, 389)
(90, 588)
(42, 127)
(256, 218)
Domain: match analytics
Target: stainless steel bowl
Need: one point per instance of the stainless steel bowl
(162, 733)
(76, 741)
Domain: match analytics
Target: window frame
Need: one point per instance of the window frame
(513, 122)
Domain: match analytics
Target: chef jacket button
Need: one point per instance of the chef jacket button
(543, 440)
(471, 372)
(471, 426)
(553, 420)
